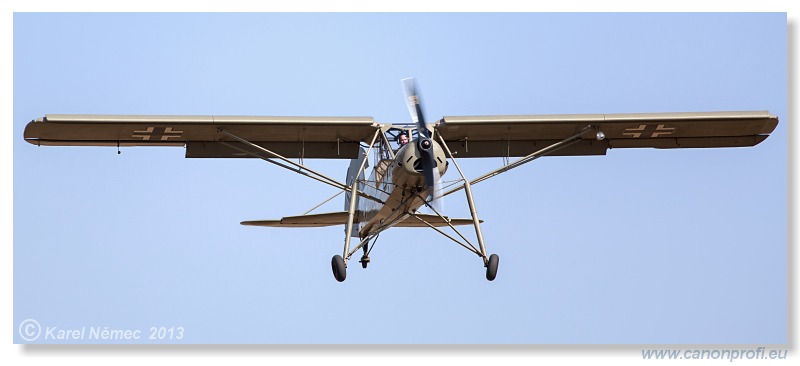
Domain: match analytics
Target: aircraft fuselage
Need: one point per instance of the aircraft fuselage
(400, 184)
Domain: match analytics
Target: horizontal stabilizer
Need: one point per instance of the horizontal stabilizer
(434, 220)
(340, 218)
(315, 220)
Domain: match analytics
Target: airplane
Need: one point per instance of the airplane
(409, 160)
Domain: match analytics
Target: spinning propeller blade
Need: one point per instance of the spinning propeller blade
(415, 106)
(424, 143)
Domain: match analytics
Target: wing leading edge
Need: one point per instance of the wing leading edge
(500, 136)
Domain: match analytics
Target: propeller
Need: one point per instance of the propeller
(424, 142)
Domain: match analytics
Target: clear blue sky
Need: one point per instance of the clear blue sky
(636, 247)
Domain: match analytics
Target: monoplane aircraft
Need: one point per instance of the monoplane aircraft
(404, 177)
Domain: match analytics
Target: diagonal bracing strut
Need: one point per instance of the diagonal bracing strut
(300, 169)
(526, 159)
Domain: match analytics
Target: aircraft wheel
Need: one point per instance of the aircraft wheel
(339, 269)
(491, 268)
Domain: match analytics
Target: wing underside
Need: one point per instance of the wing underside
(502, 136)
(292, 137)
(466, 136)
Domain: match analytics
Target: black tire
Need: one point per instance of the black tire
(491, 268)
(339, 270)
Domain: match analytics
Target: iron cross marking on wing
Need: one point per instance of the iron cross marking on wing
(157, 134)
(648, 131)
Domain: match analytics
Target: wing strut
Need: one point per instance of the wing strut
(301, 169)
(527, 159)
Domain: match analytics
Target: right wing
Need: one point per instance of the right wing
(292, 137)
(506, 136)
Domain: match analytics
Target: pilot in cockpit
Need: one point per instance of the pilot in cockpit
(402, 139)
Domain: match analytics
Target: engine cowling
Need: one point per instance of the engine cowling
(407, 167)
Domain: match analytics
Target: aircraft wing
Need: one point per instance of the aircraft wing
(506, 136)
(292, 137)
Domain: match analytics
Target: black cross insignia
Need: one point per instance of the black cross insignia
(648, 131)
(157, 134)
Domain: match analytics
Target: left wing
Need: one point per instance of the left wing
(292, 137)
(505, 136)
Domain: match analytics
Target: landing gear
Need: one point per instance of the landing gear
(491, 267)
(339, 269)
